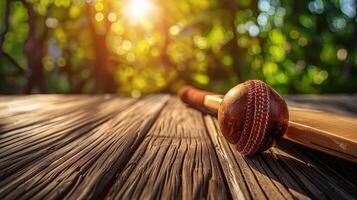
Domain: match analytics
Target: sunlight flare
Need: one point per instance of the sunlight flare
(139, 9)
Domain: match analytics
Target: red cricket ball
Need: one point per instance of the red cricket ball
(253, 117)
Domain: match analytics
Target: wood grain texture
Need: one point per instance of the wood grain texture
(329, 132)
(109, 147)
(324, 130)
(80, 164)
(176, 160)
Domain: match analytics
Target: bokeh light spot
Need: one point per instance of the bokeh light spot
(51, 22)
(99, 16)
(269, 68)
(126, 45)
(342, 54)
(264, 5)
(61, 62)
(294, 34)
(320, 77)
(174, 30)
(348, 7)
(338, 23)
(316, 6)
(262, 19)
(112, 17)
(200, 42)
(253, 30)
(130, 57)
(302, 41)
(99, 6)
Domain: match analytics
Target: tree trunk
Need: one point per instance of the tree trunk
(102, 72)
(232, 7)
(34, 52)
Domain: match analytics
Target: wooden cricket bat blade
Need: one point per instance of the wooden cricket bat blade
(332, 133)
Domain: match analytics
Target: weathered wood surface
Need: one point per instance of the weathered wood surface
(110, 147)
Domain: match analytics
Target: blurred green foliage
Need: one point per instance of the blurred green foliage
(136, 47)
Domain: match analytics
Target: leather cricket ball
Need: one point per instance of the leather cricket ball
(253, 117)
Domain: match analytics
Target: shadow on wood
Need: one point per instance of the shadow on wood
(285, 163)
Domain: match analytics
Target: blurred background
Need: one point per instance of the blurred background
(137, 47)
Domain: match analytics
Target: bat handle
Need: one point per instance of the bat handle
(198, 98)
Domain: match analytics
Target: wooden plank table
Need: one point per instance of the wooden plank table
(110, 147)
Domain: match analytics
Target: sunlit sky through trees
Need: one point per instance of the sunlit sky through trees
(139, 9)
(138, 47)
